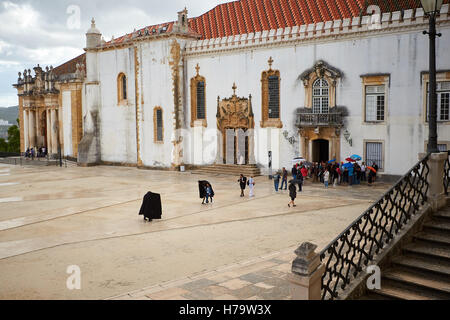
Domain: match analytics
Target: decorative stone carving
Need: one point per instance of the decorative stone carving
(235, 112)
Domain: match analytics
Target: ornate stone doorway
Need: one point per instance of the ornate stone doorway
(235, 122)
(320, 150)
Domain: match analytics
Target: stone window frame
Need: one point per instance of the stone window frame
(441, 76)
(383, 151)
(120, 100)
(321, 70)
(376, 80)
(194, 82)
(266, 121)
(155, 125)
(446, 142)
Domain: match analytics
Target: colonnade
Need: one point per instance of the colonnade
(34, 135)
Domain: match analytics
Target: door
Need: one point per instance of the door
(321, 150)
(236, 146)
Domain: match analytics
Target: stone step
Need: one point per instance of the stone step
(418, 282)
(428, 250)
(422, 265)
(439, 226)
(442, 214)
(433, 238)
(401, 293)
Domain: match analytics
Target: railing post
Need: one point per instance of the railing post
(307, 272)
(436, 194)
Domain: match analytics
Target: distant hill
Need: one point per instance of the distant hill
(10, 114)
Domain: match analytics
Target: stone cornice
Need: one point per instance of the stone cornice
(152, 37)
(321, 32)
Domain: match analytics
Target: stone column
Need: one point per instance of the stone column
(49, 137)
(24, 125)
(307, 272)
(436, 195)
(31, 129)
(251, 146)
(37, 126)
(54, 132)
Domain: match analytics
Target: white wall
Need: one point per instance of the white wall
(67, 122)
(404, 56)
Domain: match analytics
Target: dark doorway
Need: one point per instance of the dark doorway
(320, 150)
(236, 146)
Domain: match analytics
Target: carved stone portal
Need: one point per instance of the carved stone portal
(235, 122)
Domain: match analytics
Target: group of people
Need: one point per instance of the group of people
(343, 174)
(327, 173)
(41, 153)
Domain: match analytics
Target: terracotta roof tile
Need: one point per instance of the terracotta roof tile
(245, 16)
(70, 66)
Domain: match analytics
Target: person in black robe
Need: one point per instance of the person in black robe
(243, 183)
(202, 185)
(151, 206)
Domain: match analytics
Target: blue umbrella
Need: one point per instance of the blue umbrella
(356, 157)
(331, 161)
(348, 165)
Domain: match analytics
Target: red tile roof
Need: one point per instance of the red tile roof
(70, 66)
(248, 16)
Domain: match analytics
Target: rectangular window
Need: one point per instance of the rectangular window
(442, 147)
(375, 103)
(159, 125)
(443, 100)
(274, 97)
(374, 154)
(201, 100)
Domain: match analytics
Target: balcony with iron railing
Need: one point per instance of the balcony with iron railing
(334, 118)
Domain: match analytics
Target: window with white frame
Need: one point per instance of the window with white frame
(375, 103)
(443, 100)
(374, 154)
(442, 147)
(320, 97)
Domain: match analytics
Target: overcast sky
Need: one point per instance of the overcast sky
(47, 31)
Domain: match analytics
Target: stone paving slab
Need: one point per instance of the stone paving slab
(261, 278)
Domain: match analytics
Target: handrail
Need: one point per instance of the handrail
(366, 235)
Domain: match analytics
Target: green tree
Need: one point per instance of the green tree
(14, 139)
(3, 145)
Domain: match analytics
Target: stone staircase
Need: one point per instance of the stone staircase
(226, 169)
(422, 271)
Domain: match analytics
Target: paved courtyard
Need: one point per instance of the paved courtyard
(52, 218)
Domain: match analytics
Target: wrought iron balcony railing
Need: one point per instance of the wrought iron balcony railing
(319, 119)
(346, 256)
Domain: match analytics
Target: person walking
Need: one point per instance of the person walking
(326, 178)
(209, 193)
(304, 172)
(251, 184)
(276, 181)
(285, 178)
(292, 194)
(242, 183)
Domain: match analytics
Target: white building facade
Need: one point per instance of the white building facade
(173, 95)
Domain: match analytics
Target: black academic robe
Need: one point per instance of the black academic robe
(151, 206)
(202, 188)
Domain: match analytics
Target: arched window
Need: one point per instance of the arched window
(320, 96)
(198, 99)
(270, 88)
(122, 94)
